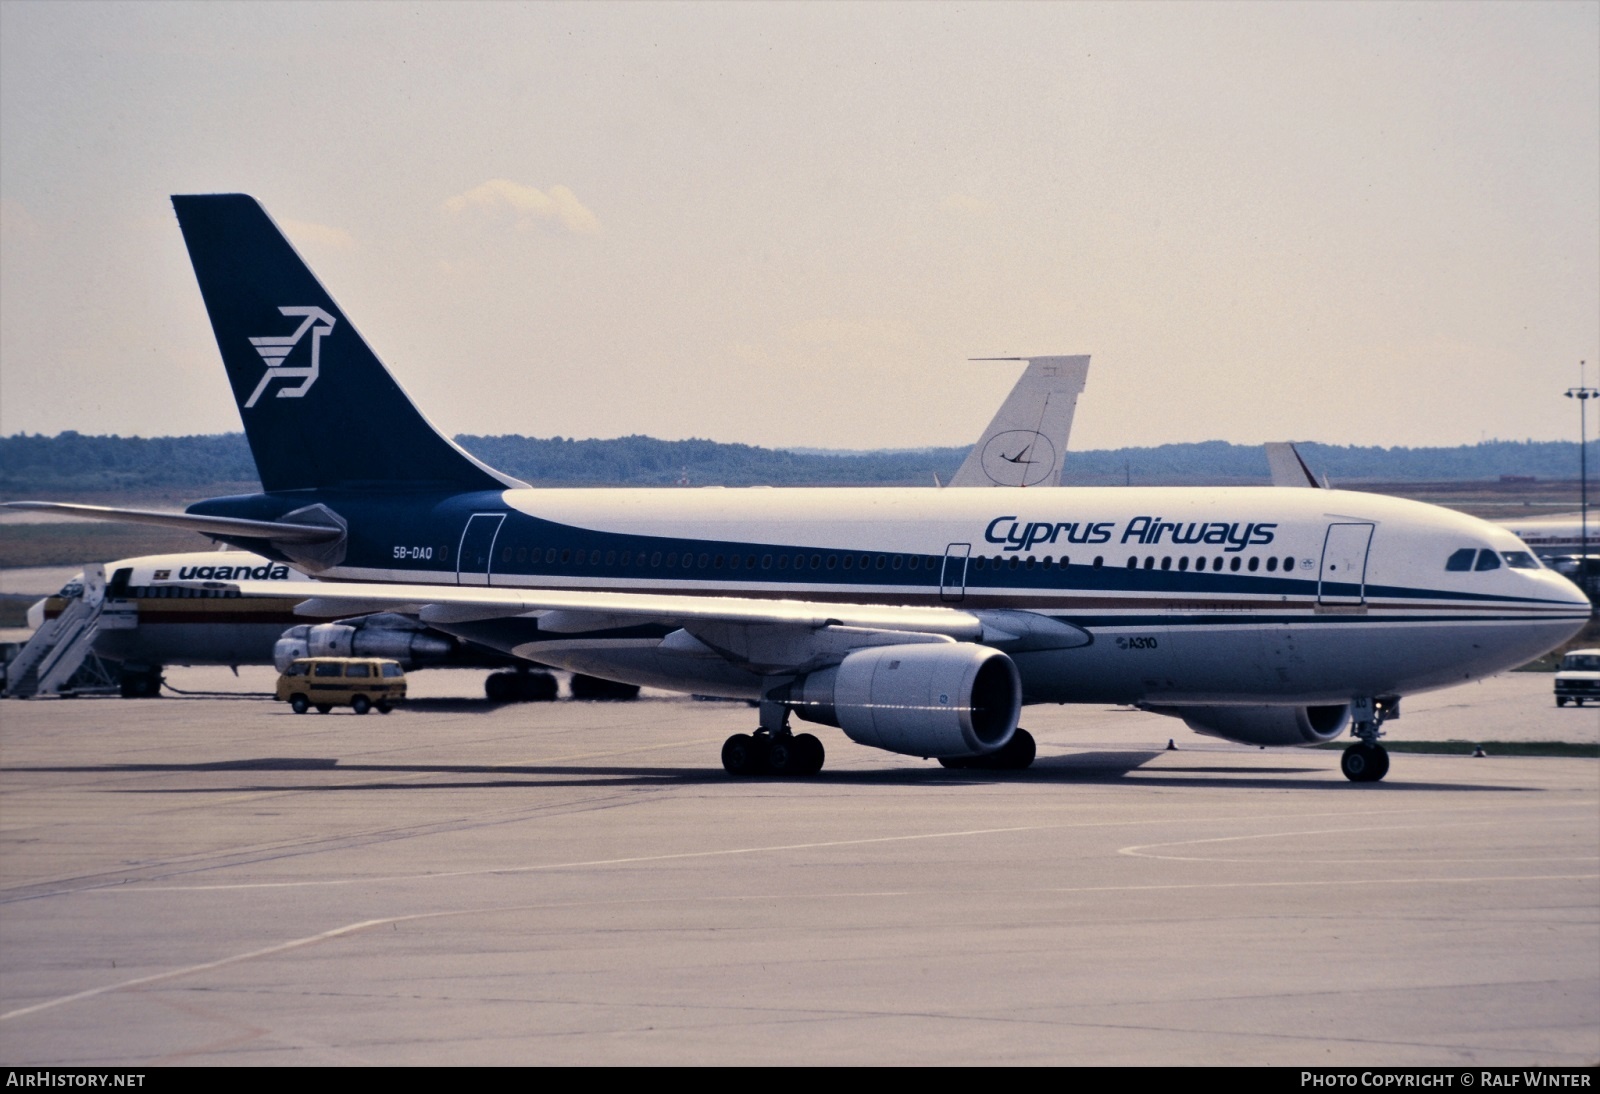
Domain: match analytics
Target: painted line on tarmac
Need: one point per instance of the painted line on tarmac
(133, 887)
(627, 861)
(1143, 850)
(365, 924)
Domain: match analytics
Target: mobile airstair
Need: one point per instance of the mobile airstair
(60, 657)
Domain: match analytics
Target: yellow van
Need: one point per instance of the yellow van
(360, 683)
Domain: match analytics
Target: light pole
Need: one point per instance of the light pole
(1583, 394)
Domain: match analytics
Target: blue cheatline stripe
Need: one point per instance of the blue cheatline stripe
(678, 561)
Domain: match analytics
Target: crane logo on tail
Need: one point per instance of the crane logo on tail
(1018, 457)
(275, 350)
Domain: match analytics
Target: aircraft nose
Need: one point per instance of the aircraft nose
(1568, 590)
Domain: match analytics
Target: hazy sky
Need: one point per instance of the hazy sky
(790, 224)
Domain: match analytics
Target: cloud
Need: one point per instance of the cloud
(528, 208)
(306, 231)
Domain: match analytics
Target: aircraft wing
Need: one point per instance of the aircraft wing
(576, 610)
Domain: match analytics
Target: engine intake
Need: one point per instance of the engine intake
(939, 699)
(1265, 725)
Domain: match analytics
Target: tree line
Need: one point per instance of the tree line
(70, 461)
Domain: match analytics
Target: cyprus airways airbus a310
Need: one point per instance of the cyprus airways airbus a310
(915, 620)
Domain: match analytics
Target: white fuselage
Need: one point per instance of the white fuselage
(1192, 596)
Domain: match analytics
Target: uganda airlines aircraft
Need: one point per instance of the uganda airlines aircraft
(136, 616)
(917, 621)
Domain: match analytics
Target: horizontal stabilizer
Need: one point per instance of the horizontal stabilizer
(276, 531)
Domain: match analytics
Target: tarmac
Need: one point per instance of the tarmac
(214, 880)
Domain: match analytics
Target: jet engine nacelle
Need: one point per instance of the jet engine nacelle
(1266, 725)
(384, 635)
(938, 699)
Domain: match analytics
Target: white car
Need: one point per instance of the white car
(1579, 677)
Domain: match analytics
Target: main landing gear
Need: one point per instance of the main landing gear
(520, 686)
(135, 684)
(763, 753)
(772, 749)
(1367, 761)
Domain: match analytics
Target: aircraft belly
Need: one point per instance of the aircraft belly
(192, 643)
(647, 665)
(1311, 661)
(1388, 658)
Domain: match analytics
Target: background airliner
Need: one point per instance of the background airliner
(120, 624)
(916, 621)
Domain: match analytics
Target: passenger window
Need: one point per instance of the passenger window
(393, 671)
(326, 668)
(358, 670)
(1488, 560)
(1253, 564)
(1461, 560)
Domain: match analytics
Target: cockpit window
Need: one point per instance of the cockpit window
(1487, 560)
(1461, 560)
(1520, 560)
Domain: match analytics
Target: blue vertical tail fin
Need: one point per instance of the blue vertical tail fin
(319, 408)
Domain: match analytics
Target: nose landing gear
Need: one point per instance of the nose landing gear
(1364, 763)
(1368, 761)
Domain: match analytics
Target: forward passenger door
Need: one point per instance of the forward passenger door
(1343, 579)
